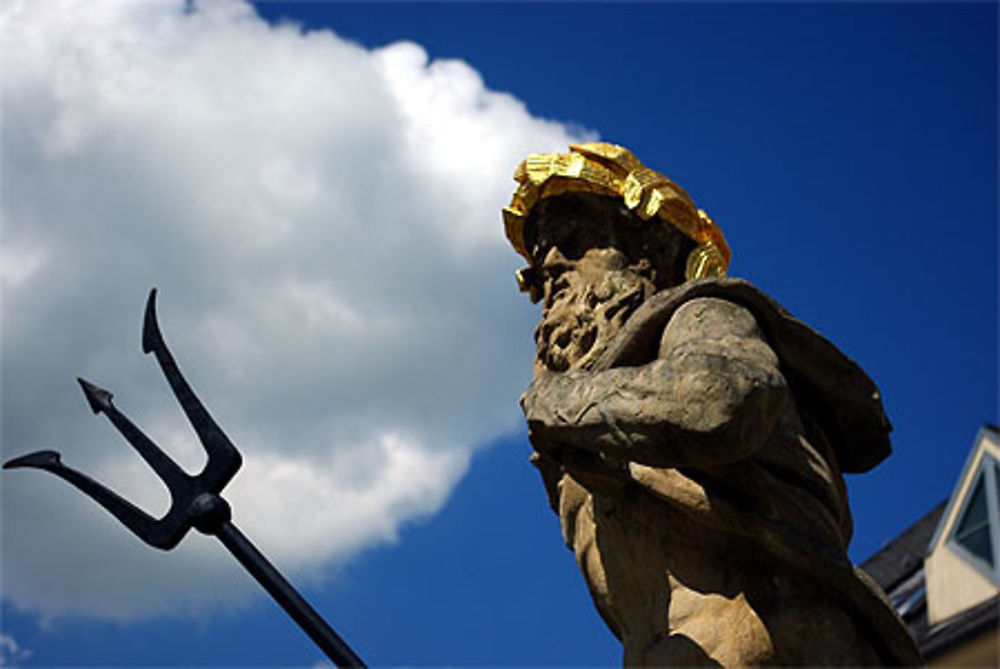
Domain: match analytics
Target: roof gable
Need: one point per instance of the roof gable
(987, 446)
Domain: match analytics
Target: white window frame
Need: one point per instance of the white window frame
(989, 470)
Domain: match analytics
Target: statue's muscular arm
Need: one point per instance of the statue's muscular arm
(711, 397)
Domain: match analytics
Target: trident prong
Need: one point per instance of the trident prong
(223, 458)
(195, 500)
(141, 523)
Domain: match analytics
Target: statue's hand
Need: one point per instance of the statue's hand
(595, 471)
(538, 403)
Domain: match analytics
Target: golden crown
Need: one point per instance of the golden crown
(609, 169)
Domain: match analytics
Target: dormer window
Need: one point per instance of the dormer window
(976, 536)
(951, 601)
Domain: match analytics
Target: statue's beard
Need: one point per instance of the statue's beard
(582, 322)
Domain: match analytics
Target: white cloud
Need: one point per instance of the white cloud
(11, 651)
(323, 223)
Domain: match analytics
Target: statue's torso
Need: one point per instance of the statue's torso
(684, 575)
(735, 554)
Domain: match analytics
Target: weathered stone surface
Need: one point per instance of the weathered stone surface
(691, 439)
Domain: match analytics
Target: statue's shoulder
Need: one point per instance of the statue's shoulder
(722, 303)
(714, 319)
(820, 374)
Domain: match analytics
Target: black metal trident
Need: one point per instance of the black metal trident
(195, 500)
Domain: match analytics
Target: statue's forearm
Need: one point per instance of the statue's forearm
(707, 404)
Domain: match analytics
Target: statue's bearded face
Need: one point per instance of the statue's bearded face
(586, 300)
(596, 262)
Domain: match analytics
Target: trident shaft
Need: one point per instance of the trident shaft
(195, 500)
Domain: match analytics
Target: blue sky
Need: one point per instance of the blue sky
(849, 152)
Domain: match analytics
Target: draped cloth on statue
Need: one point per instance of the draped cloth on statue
(837, 388)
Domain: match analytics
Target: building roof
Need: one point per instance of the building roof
(899, 558)
(961, 627)
(898, 567)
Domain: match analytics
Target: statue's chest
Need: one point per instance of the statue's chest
(664, 575)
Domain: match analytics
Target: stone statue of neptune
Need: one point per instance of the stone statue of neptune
(691, 434)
